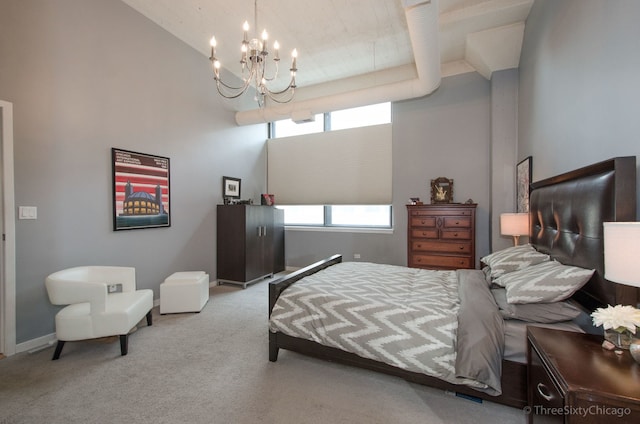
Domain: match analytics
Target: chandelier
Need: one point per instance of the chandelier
(254, 72)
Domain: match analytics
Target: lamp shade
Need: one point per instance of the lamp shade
(514, 224)
(622, 252)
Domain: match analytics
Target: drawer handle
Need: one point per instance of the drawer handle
(461, 248)
(419, 246)
(544, 392)
(423, 222)
(424, 234)
(455, 234)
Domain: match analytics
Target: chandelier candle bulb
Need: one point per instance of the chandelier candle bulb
(213, 43)
(245, 28)
(276, 54)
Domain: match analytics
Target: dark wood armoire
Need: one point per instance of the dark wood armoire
(250, 243)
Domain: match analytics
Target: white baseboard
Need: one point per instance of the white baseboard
(39, 343)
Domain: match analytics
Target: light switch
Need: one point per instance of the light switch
(27, 212)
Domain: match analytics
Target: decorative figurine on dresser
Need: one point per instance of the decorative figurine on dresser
(441, 235)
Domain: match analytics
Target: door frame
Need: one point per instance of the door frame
(8, 245)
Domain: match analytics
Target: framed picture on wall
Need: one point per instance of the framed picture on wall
(231, 188)
(141, 190)
(523, 184)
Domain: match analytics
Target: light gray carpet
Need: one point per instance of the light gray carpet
(213, 367)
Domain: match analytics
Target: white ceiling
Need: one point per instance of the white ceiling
(340, 39)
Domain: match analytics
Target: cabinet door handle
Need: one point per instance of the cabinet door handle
(543, 391)
(264, 231)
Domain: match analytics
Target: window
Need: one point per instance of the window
(361, 116)
(352, 216)
(338, 120)
(288, 128)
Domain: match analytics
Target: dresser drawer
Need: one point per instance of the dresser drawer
(455, 234)
(426, 233)
(546, 401)
(456, 222)
(437, 261)
(434, 246)
(441, 212)
(423, 221)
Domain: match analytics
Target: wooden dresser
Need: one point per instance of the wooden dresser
(441, 236)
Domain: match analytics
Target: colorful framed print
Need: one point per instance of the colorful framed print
(141, 190)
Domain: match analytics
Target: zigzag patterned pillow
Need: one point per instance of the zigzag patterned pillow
(545, 282)
(513, 259)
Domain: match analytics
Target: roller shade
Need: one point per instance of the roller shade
(346, 167)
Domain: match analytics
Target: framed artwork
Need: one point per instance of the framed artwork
(523, 184)
(267, 199)
(141, 190)
(442, 190)
(230, 188)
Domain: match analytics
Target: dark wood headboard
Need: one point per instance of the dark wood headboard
(567, 212)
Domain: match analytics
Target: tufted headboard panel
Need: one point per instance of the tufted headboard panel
(566, 216)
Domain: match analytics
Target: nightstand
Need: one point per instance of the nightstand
(572, 379)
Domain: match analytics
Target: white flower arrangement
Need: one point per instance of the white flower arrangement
(618, 318)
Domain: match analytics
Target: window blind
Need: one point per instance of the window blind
(345, 167)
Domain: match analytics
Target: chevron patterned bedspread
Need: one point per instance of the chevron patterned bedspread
(405, 317)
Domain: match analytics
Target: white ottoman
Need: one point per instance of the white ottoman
(184, 292)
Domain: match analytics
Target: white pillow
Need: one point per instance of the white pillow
(545, 282)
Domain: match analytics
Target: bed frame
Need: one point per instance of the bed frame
(567, 212)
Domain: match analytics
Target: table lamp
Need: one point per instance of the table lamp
(514, 224)
(621, 261)
(622, 252)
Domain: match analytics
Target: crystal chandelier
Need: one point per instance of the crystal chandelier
(253, 60)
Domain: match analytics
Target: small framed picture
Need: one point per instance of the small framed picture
(442, 190)
(268, 199)
(231, 187)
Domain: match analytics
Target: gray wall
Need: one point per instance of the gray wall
(579, 93)
(88, 75)
(446, 134)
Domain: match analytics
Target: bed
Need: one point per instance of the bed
(566, 211)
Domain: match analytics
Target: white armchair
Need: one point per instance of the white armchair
(93, 311)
